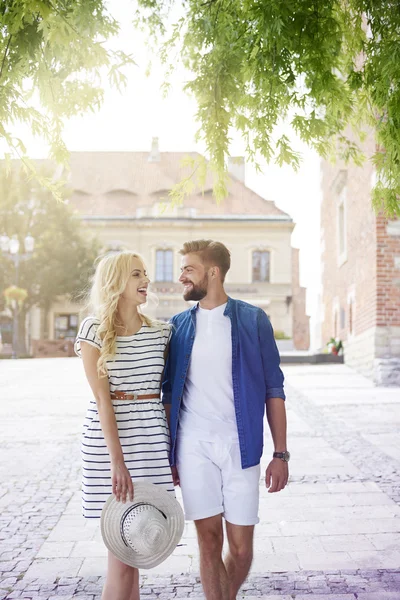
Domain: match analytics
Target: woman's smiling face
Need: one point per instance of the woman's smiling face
(136, 288)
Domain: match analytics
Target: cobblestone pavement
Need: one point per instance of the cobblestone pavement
(333, 533)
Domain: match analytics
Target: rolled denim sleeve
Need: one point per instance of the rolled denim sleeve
(270, 357)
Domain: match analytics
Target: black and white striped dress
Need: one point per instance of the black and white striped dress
(142, 425)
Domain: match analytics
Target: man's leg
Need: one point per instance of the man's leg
(239, 558)
(241, 499)
(214, 577)
(201, 485)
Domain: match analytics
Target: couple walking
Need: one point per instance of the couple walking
(218, 365)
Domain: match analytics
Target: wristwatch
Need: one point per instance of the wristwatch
(285, 456)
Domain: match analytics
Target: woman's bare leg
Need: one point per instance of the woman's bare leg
(122, 581)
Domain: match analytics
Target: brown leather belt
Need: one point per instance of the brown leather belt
(125, 396)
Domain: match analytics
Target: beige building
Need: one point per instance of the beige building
(122, 197)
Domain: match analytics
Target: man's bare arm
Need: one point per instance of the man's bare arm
(276, 415)
(277, 473)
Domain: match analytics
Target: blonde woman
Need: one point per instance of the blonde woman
(125, 435)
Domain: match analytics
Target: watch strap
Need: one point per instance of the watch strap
(282, 455)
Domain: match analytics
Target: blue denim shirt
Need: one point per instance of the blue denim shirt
(256, 373)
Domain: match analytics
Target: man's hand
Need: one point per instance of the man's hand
(276, 475)
(175, 476)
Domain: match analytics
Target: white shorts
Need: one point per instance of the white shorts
(213, 482)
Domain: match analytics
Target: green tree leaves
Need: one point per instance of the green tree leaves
(53, 52)
(332, 68)
(63, 257)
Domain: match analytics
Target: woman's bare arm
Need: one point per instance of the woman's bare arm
(122, 482)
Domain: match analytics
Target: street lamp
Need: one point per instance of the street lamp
(10, 247)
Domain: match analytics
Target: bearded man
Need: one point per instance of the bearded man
(222, 373)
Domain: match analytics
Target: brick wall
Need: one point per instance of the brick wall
(352, 277)
(388, 272)
(362, 284)
(387, 342)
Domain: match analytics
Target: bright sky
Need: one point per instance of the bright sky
(128, 121)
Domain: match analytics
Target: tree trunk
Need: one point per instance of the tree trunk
(45, 321)
(21, 347)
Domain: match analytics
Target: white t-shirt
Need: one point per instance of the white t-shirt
(208, 409)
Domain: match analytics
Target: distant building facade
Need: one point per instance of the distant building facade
(360, 272)
(122, 198)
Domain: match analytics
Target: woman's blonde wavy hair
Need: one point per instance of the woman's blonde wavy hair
(109, 282)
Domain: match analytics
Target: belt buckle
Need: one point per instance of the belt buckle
(135, 395)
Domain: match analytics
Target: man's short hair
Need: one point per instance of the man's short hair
(211, 253)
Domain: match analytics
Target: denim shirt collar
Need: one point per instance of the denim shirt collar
(227, 311)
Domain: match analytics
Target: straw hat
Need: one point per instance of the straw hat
(144, 532)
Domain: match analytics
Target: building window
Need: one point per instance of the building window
(261, 266)
(335, 323)
(351, 317)
(164, 265)
(65, 327)
(351, 305)
(342, 233)
(342, 318)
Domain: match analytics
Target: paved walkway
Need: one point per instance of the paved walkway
(333, 533)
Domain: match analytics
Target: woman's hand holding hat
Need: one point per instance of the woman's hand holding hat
(122, 485)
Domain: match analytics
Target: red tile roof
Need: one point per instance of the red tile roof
(112, 184)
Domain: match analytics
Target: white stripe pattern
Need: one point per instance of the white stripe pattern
(142, 425)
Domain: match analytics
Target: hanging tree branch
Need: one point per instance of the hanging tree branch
(5, 55)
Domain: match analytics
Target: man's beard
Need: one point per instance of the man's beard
(197, 292)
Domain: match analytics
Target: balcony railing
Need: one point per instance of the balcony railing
(234, 289)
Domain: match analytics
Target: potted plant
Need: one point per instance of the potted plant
(15, 296)
(335, 345)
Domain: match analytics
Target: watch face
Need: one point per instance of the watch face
(282, 455)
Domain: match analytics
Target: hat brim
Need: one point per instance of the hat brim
(111, 518)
